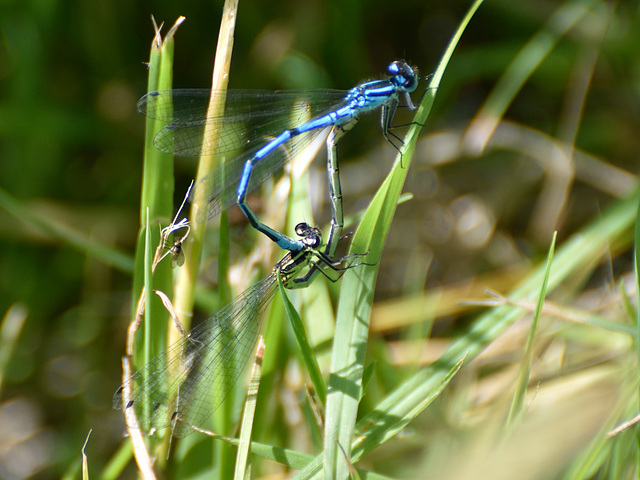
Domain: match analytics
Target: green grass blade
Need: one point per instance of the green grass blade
(243, 466)
(516, 410)
(117, 463)
(148, 350)
(187, 277)
(156, 211)
(522, 67)
(10, 328)
(65, 234)
(356, 298)
(387, 419)
(292, 459)
(85, 459)
(306, 351)
(591, 243)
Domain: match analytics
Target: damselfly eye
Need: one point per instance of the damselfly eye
(403, 76)
(302, 229)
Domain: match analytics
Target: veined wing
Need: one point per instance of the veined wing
(250, 117)
(184, 384)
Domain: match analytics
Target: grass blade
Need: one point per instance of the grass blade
(354, 309)
(516, 409)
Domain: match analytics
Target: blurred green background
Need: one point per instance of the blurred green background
(71, 149)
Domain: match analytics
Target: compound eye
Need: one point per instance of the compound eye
(313, 241)
(402, 75)
(392, 69)
(302, 229)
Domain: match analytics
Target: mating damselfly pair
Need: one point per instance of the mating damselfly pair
(183, 385)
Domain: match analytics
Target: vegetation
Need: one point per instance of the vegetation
(531, 135)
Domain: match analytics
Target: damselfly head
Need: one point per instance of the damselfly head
(403, 76)
(311, 236)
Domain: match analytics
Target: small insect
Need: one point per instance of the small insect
(176, 251)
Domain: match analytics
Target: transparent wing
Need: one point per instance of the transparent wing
(221, 186)
(185, 384)
(250, 116)
(250, 120)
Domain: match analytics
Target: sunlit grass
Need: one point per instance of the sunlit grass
(531, 133)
